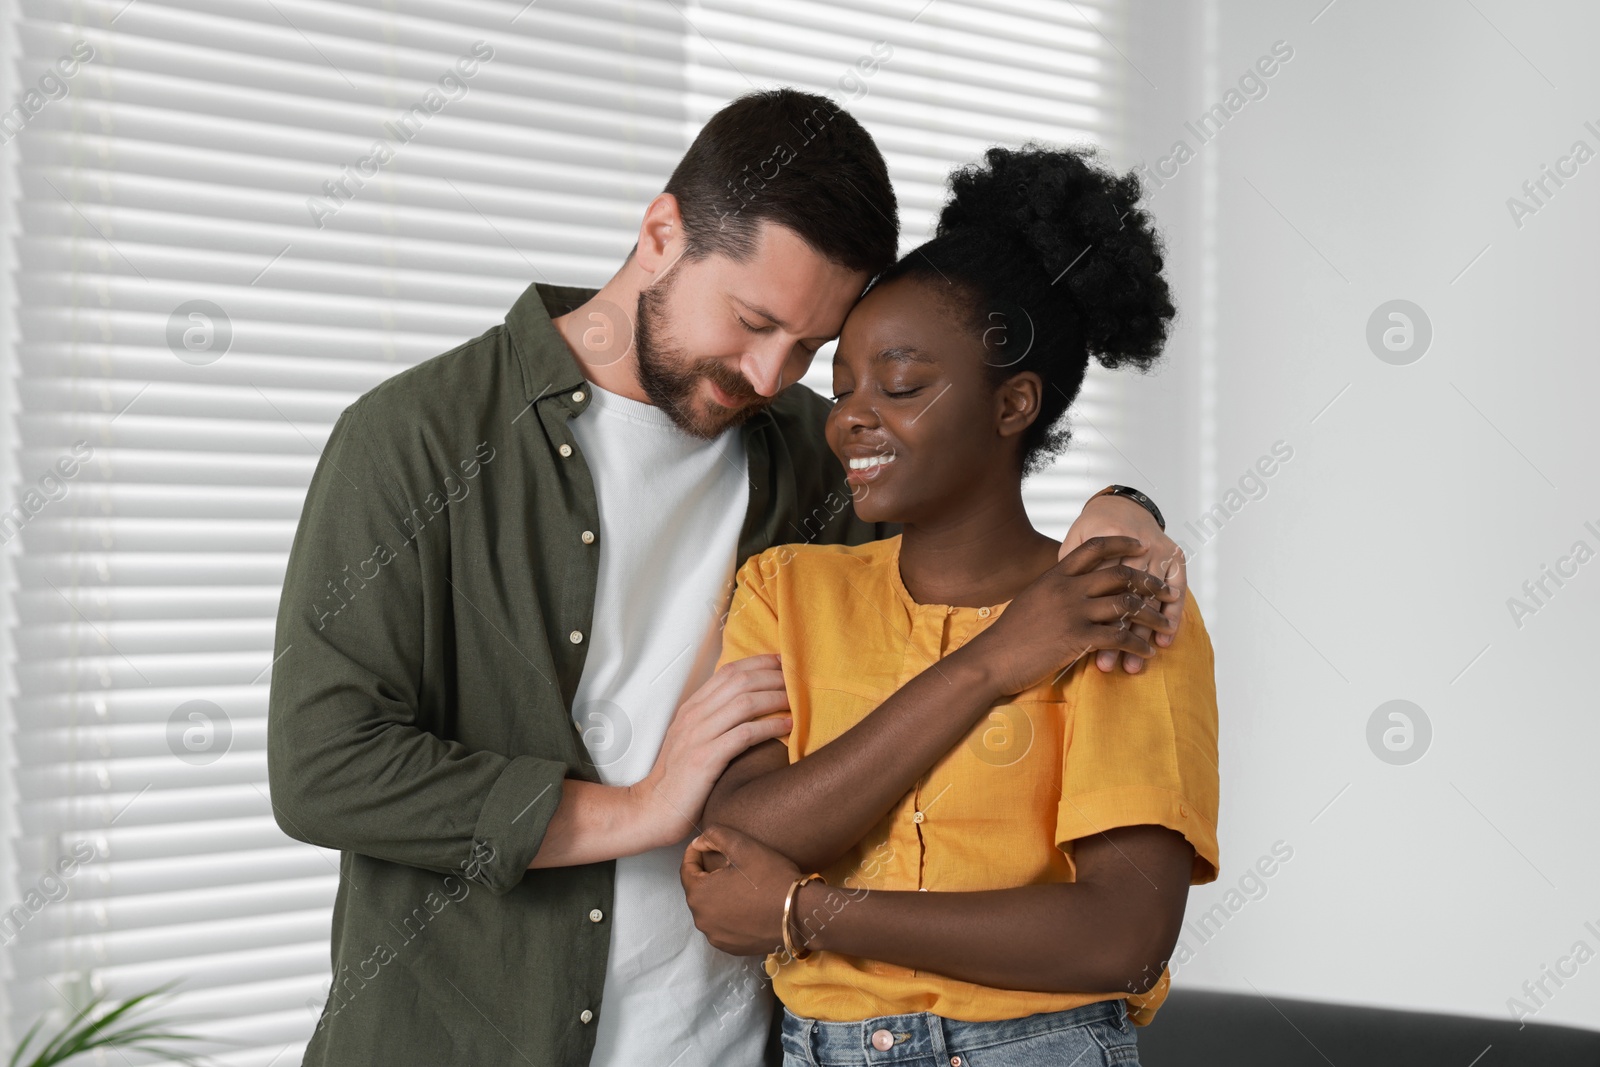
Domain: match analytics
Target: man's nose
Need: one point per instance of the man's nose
(768, 368)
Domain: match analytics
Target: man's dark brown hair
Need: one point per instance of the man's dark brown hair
(795, 159)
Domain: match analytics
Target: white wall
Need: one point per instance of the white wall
(1379, 564)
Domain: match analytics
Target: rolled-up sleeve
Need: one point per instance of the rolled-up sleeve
(349, 766)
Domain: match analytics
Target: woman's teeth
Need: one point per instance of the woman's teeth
(865, 463)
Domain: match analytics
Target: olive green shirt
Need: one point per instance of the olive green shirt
(430, 638)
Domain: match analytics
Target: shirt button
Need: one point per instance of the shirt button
(577, 398)
(983, 613)
(588, 537)
(565, 450)
(1183, 811)
(585, 1015)
(882, 1040)
(596, 915)
(576, 637)
(918, 817)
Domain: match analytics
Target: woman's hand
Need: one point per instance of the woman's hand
(739, 905)
(1106, 516)
(719, 721)
(1076, 606)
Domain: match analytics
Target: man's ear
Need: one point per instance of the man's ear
(661, 239)
(1017, 400)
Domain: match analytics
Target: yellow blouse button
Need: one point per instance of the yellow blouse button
(983, 613)
(917, 818)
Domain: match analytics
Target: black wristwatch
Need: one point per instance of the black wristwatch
(1137, 497)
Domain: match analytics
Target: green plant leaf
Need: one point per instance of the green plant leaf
(27, 1039)
(116, 1028)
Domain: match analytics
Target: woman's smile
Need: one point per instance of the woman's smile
(863, 469)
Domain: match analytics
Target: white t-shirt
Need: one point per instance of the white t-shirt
(671, 508)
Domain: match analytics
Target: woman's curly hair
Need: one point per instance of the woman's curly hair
(1048, 256)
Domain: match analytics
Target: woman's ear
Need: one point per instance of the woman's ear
(1018, 402)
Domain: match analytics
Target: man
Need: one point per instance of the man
(493, 690)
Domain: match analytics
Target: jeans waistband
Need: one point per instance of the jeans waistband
(924, 1034)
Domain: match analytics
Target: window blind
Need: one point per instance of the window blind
(215, 259)
(229, 219)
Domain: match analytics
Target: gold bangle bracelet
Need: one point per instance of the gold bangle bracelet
(788, 911)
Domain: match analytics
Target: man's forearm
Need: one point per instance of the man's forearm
(595, 822)
(815, 809)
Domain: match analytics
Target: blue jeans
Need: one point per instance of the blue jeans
(1091, 1036)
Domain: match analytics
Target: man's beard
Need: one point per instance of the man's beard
(670, 378)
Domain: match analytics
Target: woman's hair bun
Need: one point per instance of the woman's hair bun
(1094, 248)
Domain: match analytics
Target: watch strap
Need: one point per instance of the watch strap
(1138, 498)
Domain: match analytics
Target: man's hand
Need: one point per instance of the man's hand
(1077, 606)
(719, 721)
(738, 905)
(1115, 516)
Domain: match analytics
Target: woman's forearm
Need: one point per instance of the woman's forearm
(1063, 937)
(815, 809)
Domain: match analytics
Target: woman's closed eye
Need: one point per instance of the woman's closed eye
(893, 394)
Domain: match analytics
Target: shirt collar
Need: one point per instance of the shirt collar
(548, 365)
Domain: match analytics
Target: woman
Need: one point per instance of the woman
(1006, 837)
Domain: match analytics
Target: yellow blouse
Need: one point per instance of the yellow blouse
(1084, 753)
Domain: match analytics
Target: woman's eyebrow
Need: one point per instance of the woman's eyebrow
(903, 354)
(895, 354)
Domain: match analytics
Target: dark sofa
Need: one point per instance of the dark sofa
(1201, 1029)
